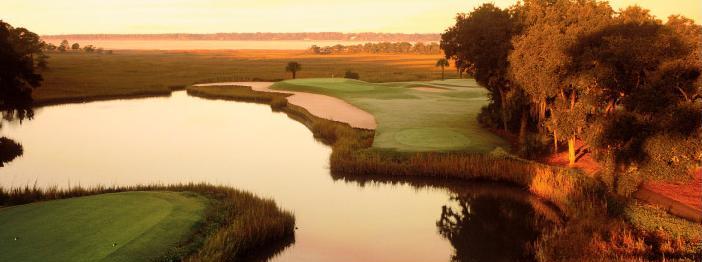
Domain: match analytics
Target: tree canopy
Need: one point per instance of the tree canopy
(623, 84)
(293, 67)
(20, 50)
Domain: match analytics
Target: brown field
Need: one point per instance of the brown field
(78, 76)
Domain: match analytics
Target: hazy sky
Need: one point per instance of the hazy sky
(211, 16)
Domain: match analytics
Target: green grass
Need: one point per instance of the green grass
(234, 225)
(84, 229)
(82, 76)
(412, 120)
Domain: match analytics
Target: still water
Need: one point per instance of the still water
(181, 139)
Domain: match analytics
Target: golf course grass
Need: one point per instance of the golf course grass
(126, 226)
(412, 120)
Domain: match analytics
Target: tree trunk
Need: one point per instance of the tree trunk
(523, 123)
(555, 142)
(571, 150)
(503, 108)
(294, 73)
(442, 73)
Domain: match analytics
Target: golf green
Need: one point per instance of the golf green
(129, 226)
(411, 119)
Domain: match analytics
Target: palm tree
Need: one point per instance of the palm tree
(293, 67)
(442, 63)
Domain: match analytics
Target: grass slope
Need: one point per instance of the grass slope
(412, 120)
(142, 224)
(85, 76)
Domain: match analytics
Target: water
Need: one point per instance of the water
(205, 44)
(340, 218)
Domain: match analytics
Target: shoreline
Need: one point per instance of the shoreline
(327, 107)
(590, 212)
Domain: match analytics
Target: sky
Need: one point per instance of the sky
(214, 16)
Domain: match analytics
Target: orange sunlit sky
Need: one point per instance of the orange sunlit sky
(212, 16)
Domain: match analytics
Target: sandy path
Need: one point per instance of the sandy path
(322, 106)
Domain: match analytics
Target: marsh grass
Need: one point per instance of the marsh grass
(237, 225)
(81, 77)
(595, 229)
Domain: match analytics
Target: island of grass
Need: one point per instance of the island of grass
(198, 222)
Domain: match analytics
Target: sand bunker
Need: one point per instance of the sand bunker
(322, 106)
(429, 89)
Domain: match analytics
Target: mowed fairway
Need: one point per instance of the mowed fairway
(414, 116)
(141, 225)
(79, 75)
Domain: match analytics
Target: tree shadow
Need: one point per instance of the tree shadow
(483, 221)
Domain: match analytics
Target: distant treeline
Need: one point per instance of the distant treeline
(336, 36)
(375, 48)
(66, 46)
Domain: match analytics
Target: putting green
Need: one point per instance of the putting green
(412, 120)
(335, 84)
(432, 137)
(129, 226)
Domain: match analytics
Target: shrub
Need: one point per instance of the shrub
(351, 75)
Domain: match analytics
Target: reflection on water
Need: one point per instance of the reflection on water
(487, 228)
(9, 150)
(339, 218)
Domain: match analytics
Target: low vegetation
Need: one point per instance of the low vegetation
(235, 226)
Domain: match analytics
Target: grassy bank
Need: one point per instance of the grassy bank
(227, 224)
(75, 77)
(596, 227)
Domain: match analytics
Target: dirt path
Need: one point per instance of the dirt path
(322, 106)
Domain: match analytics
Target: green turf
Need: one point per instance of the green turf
(412, 120)
(143, 225)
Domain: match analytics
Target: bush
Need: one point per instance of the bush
(490, 117)
(351, 75)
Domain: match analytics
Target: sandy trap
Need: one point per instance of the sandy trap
(319, 105)
(429, 89)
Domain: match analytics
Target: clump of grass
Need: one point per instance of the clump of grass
(237, 225)
(277, 103)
